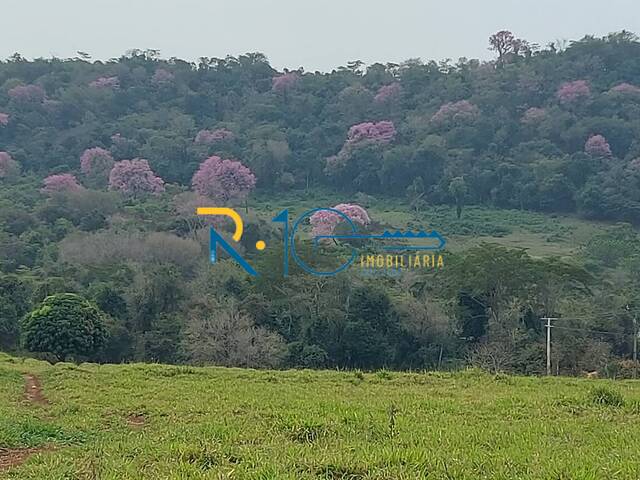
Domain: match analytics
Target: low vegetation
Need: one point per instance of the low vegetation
(152, 421)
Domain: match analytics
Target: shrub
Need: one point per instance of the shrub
(606, 396)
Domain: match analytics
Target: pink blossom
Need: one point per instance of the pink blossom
(27, 93)
(106, 82)
(458, 112)
(209, 137)
(96, 160)
(324, 222)
(625, 88)
(162, 76)
(284, 82)
(534, 115)
(64, 182)
(134, 177)
(382, 132)
(388, 92)
(572, 91)
(8, 166)
(598, 146)
(4, 119)
(223, 180)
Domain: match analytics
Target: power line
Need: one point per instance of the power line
(634, 335)
(603, 332)
(595, 317)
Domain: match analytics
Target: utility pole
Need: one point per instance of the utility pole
(635, 342)
(548, 326)
(635, 345)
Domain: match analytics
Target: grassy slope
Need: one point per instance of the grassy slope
(233, 423)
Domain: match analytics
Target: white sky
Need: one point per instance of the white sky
(319, 34)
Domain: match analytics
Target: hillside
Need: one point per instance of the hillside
(152, 421)
(549, 129)
(526, 164)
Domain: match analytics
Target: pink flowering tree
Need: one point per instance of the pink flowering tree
(534, 115)
(209, 137)
(27, 94)
(456, 113)
(344, 167)
(285, 82)
(135, 177)
(162, 77)
(4, 119)
(571, 92)
(625, 89)
(324, 222)
(96, 164)
(106, 83)
(64, 182)
(388, 93)
(597, 146)
(8, 166)
(381, 133)
(223, 180)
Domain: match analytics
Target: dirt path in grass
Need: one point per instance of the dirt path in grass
(12, 457)
(33, 390)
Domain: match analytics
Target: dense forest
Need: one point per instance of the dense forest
(102, 164)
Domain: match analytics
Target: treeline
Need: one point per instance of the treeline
(142, 264)
(546, 129)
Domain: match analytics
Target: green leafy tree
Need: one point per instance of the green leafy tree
(65, 325)
(458, 190)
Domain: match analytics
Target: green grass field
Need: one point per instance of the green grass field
(164, 422)
(540, 234)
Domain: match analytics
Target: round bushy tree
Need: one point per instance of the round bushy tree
(223, 180)
(8, 166)
(324, 222)
(382, 132)
(572, 91)
(96, 164)
(64, 182)
(134, 177)
(387, 93)
(456, 113)
(534, 116)
(162, 77)
(597, 146)
(625, 88)
(65, 325)
(27, 94)
(284, 82)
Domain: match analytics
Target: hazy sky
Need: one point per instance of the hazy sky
(318, 34)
